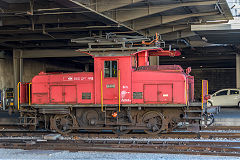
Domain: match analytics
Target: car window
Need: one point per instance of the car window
(222, 93)
(234, 91)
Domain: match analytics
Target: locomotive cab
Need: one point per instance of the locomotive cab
(113, 79)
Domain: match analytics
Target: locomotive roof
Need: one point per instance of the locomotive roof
(160, 52)
(177, 68)
(100, 52)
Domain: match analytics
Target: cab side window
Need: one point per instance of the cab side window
(110, 69)
(222, 93)
(234, 92)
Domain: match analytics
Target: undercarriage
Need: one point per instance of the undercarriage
(151, 120)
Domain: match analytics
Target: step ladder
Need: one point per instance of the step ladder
(189, 118)
(108, 109)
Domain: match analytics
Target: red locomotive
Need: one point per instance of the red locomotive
(124, 93)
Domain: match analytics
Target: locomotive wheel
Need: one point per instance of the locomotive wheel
(63, 123)
(90, 117)
(153, 121)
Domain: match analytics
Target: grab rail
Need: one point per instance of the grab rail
(119, 92)
(18, 94)
(186, 92)
(101, 91)
(29, 91)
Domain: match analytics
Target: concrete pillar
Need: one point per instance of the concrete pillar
(238, 70)
(17, 69)
(154, 60)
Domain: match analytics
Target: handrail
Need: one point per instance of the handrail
(18, 94)
(202, 94)
(29, 91)
(119, 92)
(207, 92)
(186, 92)
(101, 91)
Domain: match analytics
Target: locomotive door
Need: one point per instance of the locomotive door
(110, 82)
(70, 94)
(63, 94)
(165, 92)
(158, 93)
(56, 94)
(150, 93)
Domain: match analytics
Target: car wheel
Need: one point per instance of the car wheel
(209, 104)
(238, 104)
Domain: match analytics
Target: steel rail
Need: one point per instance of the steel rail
(201, 147)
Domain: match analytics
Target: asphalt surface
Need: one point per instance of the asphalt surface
(228, 116)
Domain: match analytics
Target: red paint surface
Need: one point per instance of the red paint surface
(24, 92)
(158, 93)
(62, 88)
(169, 86)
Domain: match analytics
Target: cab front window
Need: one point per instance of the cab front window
(110, 69)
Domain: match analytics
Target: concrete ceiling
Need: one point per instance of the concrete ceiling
(228, 33)
(205, 57)
(48, 24)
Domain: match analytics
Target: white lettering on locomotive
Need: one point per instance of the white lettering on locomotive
(70, 78)
(125, 100)
(125, 87)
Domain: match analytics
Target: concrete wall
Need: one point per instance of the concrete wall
(6, 73)
(31, 68)
(217, 79)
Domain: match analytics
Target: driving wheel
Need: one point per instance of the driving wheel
(153, 121)
(63, 123)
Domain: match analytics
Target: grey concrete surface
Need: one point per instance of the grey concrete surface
(6, 119)
(6, 73)
(18, 154)
(228, 117)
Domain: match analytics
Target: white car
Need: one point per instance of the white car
(225, 97)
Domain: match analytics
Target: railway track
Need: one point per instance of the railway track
(217, 141)
(179, 146)
(205, 134)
